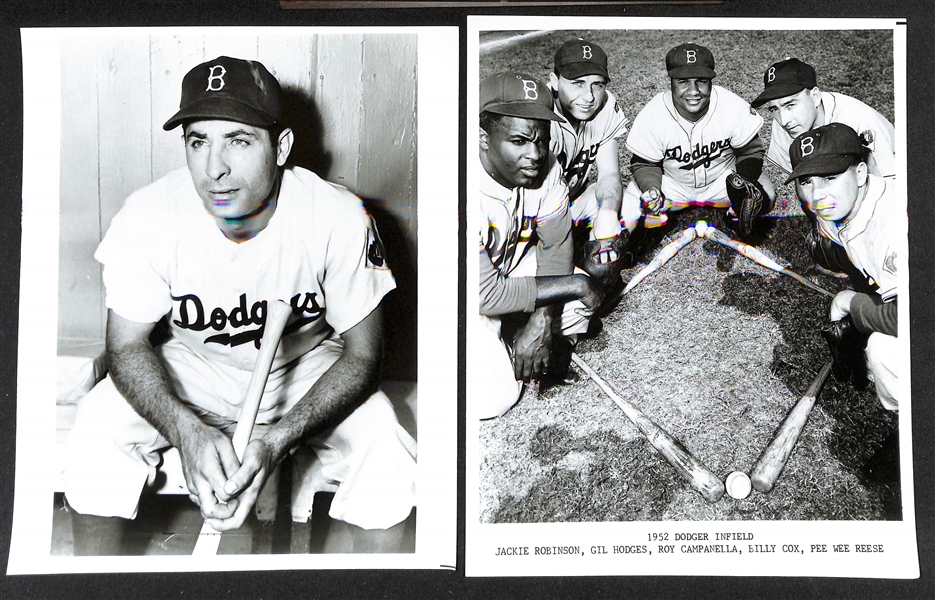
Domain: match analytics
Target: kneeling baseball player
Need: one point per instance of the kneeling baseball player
(695, 145)
(532, 304)
(859, 211)
(211, 247)
(791, 93)
(585, 137)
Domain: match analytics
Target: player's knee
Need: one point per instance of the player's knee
(500, 398)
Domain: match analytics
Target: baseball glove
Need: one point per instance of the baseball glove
(748, 200)
(603, 261)
(847, 347)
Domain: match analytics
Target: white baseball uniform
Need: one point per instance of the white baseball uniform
(164, 255)
(871, 239)
(511, 220)
(696, 157)
(577, 150)
(849, 111)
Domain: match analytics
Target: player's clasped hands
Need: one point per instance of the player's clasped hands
(245, 484)
(654, 200)
(208, 459)
(224, 488)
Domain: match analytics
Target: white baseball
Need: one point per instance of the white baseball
(701, 227)
(738, 485)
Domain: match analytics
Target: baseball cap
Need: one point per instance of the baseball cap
(826, 150)
(517, 95)
(688, 61)
(787, 77)
(577, 58)
(230, 89)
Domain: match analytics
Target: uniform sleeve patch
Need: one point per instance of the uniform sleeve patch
(376, 255)
(889, 264)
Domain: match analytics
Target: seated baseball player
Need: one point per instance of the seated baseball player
(532, 304)
(859, 211)
(695, 145)
(588, 137)
(210, 247)
(791, 93)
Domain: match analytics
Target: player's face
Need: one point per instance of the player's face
(797, 113)
(832, 197)
(234, 166)
(581, 98)
(515, 152)
(691, 97)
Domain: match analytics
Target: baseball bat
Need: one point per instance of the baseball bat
(771, 462)
(759, 257)
(662, 257)
(697, 475)
(277, 313)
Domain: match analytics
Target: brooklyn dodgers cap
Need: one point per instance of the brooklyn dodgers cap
(577, 58)
(826, 150)
(689, 61)
(517, 95)
(230, 89)
(787, 77)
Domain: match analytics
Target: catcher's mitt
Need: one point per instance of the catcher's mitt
(748, 199)
(847, 348)
(603, 261)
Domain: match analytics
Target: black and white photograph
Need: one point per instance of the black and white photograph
(689, 356)
(231, 244)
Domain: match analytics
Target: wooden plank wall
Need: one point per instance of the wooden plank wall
(351, 98)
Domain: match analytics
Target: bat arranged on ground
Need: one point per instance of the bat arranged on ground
(760, 258)
(771, 462)
(662, 257)
(277, 313)
(697, 475)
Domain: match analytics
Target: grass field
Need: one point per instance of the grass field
(712, 347)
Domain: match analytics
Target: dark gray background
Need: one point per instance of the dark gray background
(452, 584)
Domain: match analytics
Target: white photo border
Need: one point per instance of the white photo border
(437, 330)
(595, 542)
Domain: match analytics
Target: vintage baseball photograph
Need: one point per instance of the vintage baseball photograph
(237, 343)
(687, 356)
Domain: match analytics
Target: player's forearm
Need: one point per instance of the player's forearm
(750, 160)
(609, 192)
(647, 175)
(141, 378)
(501, 295)
(336, 394)
(872, 315)
(559, 289)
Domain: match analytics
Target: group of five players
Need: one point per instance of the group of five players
(552, 235)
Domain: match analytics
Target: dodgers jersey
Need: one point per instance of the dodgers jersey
(513, 223)
(872, 235)
(849, 111)
(577, 150)
(164, 254)
(694, 154)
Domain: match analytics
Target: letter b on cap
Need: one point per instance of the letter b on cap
(586, 52)
(690, 56)
(216, 78)
(771, 75)
(530, 89)
(806, 146)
